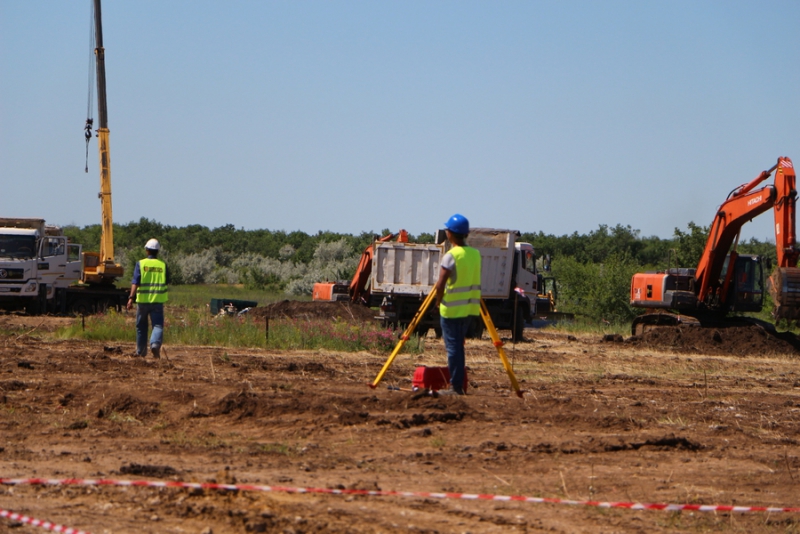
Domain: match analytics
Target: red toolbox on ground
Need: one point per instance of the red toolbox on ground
(434, 378)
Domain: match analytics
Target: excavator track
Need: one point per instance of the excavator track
(784, 287)
(651, 321)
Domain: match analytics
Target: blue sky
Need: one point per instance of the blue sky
(358, 116)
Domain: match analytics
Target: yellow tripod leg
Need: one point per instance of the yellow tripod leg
(487, 320)
(406, 335)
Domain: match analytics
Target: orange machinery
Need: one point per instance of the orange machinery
(356, 290)
(724, 280)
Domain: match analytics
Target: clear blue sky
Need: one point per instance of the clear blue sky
(353, 116)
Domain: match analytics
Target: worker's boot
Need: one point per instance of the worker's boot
(451, 391)
(156, 349)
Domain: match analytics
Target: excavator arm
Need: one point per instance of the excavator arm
(358, 286)
(742, 205)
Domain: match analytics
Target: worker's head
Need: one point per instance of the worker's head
(458, 225)
(152, 247)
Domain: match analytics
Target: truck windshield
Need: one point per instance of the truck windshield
(17, 246)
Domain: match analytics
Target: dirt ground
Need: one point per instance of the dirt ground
(676, 416)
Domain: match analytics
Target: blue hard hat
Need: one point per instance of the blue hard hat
(458, 224)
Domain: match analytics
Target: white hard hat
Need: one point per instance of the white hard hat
(153, 244)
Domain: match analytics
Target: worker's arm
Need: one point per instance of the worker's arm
(444, 274)
(132, 297)
(135, 281)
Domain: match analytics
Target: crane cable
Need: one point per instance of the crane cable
(87, 129)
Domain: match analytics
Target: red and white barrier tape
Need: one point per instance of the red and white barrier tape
(382, 493)
(39, 523)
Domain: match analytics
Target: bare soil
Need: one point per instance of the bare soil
(678, 416)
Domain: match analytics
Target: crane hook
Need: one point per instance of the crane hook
(87, 133)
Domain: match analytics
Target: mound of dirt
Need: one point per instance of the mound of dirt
(129, 405)
(293, 309)
(154, 471)
(737, 341)
(241, 403)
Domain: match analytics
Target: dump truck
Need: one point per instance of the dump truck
(40, 271)
(402, 275)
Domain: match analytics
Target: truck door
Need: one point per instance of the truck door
(526, 270)
(74, 263)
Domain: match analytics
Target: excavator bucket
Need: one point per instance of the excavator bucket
(784, 288)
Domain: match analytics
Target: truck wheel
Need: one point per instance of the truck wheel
(475, 330)
(437, 332)
(32, 307)
(519, 328)
(82, 307)
(38, 304)
(422, 331)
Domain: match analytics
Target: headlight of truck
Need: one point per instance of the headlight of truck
(30, 287)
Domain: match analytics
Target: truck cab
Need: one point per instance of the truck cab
(35, 261)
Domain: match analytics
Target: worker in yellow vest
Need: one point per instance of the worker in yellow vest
(149, 290)
(458, 295)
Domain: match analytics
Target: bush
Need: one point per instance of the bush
(197, 268)
(599, 291)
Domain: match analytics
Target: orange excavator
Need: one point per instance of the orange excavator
(725, 281)
(356, 290)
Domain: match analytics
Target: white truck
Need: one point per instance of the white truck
(40, 271)
(404, 273)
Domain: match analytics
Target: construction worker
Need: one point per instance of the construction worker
(149, 290)
(458, 295)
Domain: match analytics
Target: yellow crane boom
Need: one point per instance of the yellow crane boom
(100, 268)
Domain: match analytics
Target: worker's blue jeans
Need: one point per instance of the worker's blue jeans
(454, 332)
(155, 312)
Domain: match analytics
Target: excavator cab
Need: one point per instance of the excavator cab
(746, 287)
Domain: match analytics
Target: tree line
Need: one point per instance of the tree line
(593, 271)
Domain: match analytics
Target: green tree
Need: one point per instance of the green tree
(689, 245)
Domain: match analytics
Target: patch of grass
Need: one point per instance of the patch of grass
(273, 448)
(123, 418)
(208, 441)
(585, 325)
(200, 295)
(108, 326)
(195, 326)
(668, 420)
(438, 442)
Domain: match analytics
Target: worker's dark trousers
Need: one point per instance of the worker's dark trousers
(453, 332)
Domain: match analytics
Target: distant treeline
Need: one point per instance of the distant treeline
(593, 270)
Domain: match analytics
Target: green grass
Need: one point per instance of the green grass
(194, 325)
(200, 295)
(585, 325)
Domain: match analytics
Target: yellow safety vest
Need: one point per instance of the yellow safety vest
(153, 285)
(462, 298)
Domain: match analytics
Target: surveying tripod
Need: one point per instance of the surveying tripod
(487, 320)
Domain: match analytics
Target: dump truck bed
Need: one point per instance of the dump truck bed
(413, 268)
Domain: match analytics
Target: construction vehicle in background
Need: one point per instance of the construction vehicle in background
(725, 281)
(40, 271)
(100, 268)
(396, 276)
(356, 289)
